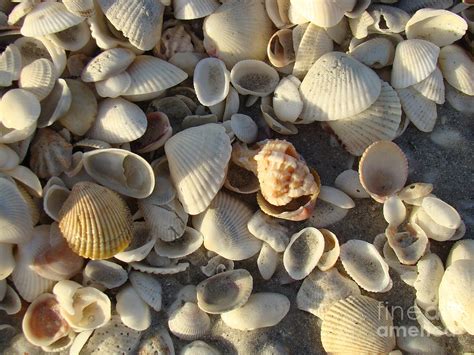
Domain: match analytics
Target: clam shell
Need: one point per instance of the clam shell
(459, 100)
(415, 60)
(377, 52)
(277, 10)
(8, 158)
(349, 182)
(432, 87)
(110, 232)
(199, 347)
(104, 273)
(254, 77)
(187, 293)
(10, 65)
(27, 178)
(148, 288)
(461, 250)
(73, 38)
(419, 110)
(280, 49)
(442, 213)
(287, 102)
(197, 183)
(211, 81)
(11, 302)
(388, 19)
(7, 261)
(114, 86)
(394, 211)
(303, 252)
(193, 9)
(133, 311)
(353, 325)
(365, 265)
(108, 63)
(323, 86)
(164, 191)
(331, 250)
(410, 245)
(430, 272)
(335, 197)
(224, 227)
(267, 261)
(432, 229)
(158, 131)
(244, 128)
(264, 309)
(142, 243)
(360, 25)
(56, 104)
(189, 322)
(84, 8)
(187, 244)
(225, 291)
(216, 265)
(457, 68)
(383, 170)
(23, 106)
(269, 230)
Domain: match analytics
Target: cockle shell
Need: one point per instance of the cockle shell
(133, 311)
(280, 49)
(10, 65)
(32, 49)
(461, 250)
(410, 245)
(84, 8)
(103, 274)
(457, 68)
(430, 272)
(56, 104)
(287, 102)
(142, 243)
(267, 261)
(187, 244)
(148, 288)
(189, 322)
(73, 38)
(190, 10)
(19, 109)
(269, 230)
(211, 81)
(108, 63)
(420, 110)
(225, 291)
(355, 324)
(349, 182)
(254, 77)
(112, 221)
(199, 347)
(432, 87)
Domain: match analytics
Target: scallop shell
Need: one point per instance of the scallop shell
(354, 324)
(189, 322)
(280, 49)
(83, 8)
(107, 64)
(364, 264)
(19, 109)
(324, 13)
(216, 265)
(457, 68)
(244, 128)
(349, 182)
(114, 86)
(7, 261)
(410, 245)
(321, 289)
(269, 230)
(461, 250)
(323, 85)
(120, 170)
(267, 261)
(376, 53)
(264, 309)
(187, 244)
(10, 65)
(103, 274)
(225, 291)
(73, 38)
(133, 311)
(112, 220)
(142, 243)
(394, 211)
(11, 302)
(211, 81)
(287, 102)
(415, 60)
(148, 288)
(440, 27)
(192, 9)
(229, 33)
(331, 250)
(430, 272)
(254, 77)
(419, 110)
(186, 152)
(199, 347)
(32, 49)
(388, 19)
(432, 87)
(56, 104)
(383, 170)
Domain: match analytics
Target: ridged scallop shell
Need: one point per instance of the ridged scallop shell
(377, 52)
(120, 170)
(430, 272)
(193, 9)
(254, 77)
(365, 265)
(189, 322)
(383, 170)
(108, 63)
(148, 288)
(83, 8)
(114, 86)
(287, 102)
(103, 274)
(331, 250)
(133, 311)
(211, 81)
(112, 221)
(140, 21)
(461, 250)
(199, 347)
(188, 243)
(457, 68)
(229, 33)
(267, 261)
(19, 110)
(244, 128)
(142, 243)
(388, 19)
(415, 60)
(410, 245)
(269, 230)
(418, 109)
(280, 49)
(264, 309)
(56, 104)
(440, 27)
(432, 87)
(353, 325)
(7, 260)
(324, 13)
(73, 38)
(10, 65)
(349, 182)
(225, 291)
(323, 86)
(32, 49)
(196, 182)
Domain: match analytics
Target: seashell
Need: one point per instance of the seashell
(323, 13)
(47, 18)
(353, 324)
(118, 121)
(133, 311)
(11, 302)
(107, 64)
(321, 88)
(287, 103)
(349, 182)
(457, 68)
(157, 342)
(425, 323)
(150, 76)
(459, 100)
(216, 265)
(254, 77)
(277, 11)
(174, 108)
(7, 261)
(164, 191)
(199, 347)
(148, 288)
(376, 53)
(111, 233)
(432, 229)
(335, 197)
(461, 250)
(185, 294)
(229, 33)
(27, 178)
(186, 152)
(280, 49)
(160, 270)
(84, 8)
(394, 211)
(267, 261)
(364, 264)
(303, 252)
(73, 38)
(19, 109)
(269, 230)
(84, 105)
(420, 110)
(187, 244)
(440, 27)
(432, 87)
(186, 61)
(104, 274)
(224, 227)
(415, 191)
(410, 245)
(383, 170)
(10, 65)
(9, 159)
(79, 342)
(430, 272)
(142, 243)
(264, 309)
(55, 105)
(331, 250)
(114, 86)
(196, 120)
(120, 170)
(414, 61)
(55, 193)
(412, 6)
(43, 323)
(241, 180)
(442, 213)
(33, 205)
(244, 128)
(158, 131)
(269, 116)
(189, 322)
(211, 81)
(225, 291)
(140, 21)
(358, 8)
(191, 10)
(388, 19)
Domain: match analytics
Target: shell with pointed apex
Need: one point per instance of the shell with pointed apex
(264, 309)
(287, 102)
(73, 38)
(47, 18)
(9, 159)
(376, 53)
(148, 288)
(244, 128)
(394, 211)
(142, 243)
(461, 250)
(440, 27)
(7, 261)
(269, 230)
(353, 325)
(441, 212)
(418, 109)
(102, 208)
(267, 261)
(430, 273)
(140, 21)
(83, 8)
(120, 170)
(321, 289)
(254, 77)
(211, 81)
(432, 87)
(10, 65)
(198, 159)
(114, 86)
(410, 245)
(328, 94)
(187, 244)
(331, 250)
(303, 252)
(349, 182)
(118, 121)
(364, 264)
(280, 49)
(193, 9)
(103, 273)
(108, 63)
(457, 68)
(43, 323)
(324, 13)
(383, 170)
(415, 60)
(19, 109)
(133, 311)
(56, 104)
(225, 291)
(189, 322)
(199, 347)
(388, 19)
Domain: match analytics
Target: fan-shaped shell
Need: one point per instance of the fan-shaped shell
(108, 63)
(83, 8)
(211, 81)
(193, 9)
(110, 232)
(287, 102)
(187, 244)
(104, 274)
(133, 311)
(189, 322)
(349, 182)
(432, 87)
(32, 49)
(457, 68)
(419, 110)
(254, 77)
(148, 288)
(19, 109)
(56, 104)
(10, 65)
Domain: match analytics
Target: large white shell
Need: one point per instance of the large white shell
(211, 81)
(269, 230)
(432, 87)
(133, 311)
(348, 181)
(441, 212)
(148, 288)
(432, 229)
(430, 272)
(418, 109)
(458, 68)
(254, 77)
(193, 9)
(19, 109)
(287, 102)
(10, 65)
(189, 322)
(324, 13)
(461, 250)
(104, 273)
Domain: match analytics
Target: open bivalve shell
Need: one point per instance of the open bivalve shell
(133, 311)
(420, 110)
(354, 324)
(264, 309)
(187, 244)
(11, 302)
(148, 288)
(410, 245)
(254, 77)
(225, 291)
(211, 81)
(189, 322)
(107, 64)
(458, 68)
(365, 265)
(54, 195)
(73, 38)
(191, 10)
(103, 274)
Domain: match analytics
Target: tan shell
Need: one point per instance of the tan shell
(280, 49)
(189, 322)
(112, 220)
(331, 250)
(241, 180)
(216, 265)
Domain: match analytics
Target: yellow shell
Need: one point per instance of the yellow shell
(95, 221)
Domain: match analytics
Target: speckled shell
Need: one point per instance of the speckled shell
(148, 288)
(108, 63)
(254, 77)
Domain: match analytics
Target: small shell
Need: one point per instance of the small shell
(185, 294)
(432, 87)
(34, 48)
(254, 77)
(418, 109)
(187, 244)
(365, 265)
(189, 322)
(394, 211)
(459, 100)
(84, 8)
(114, 86)
(19, 109)
(199, 347)
(324, 13)
(267, 261)
(7, 261)
(73, 38)
(269, 116)
(280, 49)
(262, 310)
(349, 182)
(107, 64)
(409, 246)
(244, 128)
(457, 68)
(10, 65)
(211, 81)
(331, 250)
(133, 311)
(442, 213)
(430, 272)
(8, 158)
(335, 197)
(376, 52)
(103, 273)
(225, 291)
(56, 104)
(461, 250)
(148, 288)
(269, 230)
(142, 243)
(190, 10)
(287, 102)
(158, 131)
(216, 265)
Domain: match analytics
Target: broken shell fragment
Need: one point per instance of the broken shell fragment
(187, 244)
(269, 230)
(410, 245)
(331, 250)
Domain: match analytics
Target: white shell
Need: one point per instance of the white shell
(461, 250)
(114, 86)
(348, 181)
(133, 311)
(193, 9)
(432, 229)
(327, 214)
(7, 261)
(19, 109)
(56, 104)
(280, 51)
(442, 213)
(254, 77)
(244, 128)
(10, 65)
(104, 273)
(324, 13)
(54, 195)
(331, 250)
(73, 38)
(335, 197)
(11, 302)
(285, 128)
(267, 261)
(394, 211)
(84, 8)
(360, 25)
(142, 243)
(189, 322)
(287, 102)
(8, 158)
(459, 100)
(187, 244)
(269, 230)
(410, 245)
(211, 81)
(108, 63)
(148, 288)
(199, 347)
(457, 67)
(377, 52)
(430, 272)
(419, 110)
(432, 87)
(388, 19)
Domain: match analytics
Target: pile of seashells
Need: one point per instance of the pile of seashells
(109, 150)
